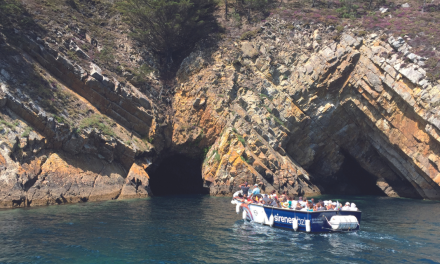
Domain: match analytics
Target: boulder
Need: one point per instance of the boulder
(96, 72)
(136, 184)
(249, 51)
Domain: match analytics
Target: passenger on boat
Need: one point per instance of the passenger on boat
(326, 203)
(256, 190)
(274, 202)
(338, 206)
(313, 201)
(245, 188)
(287, 203)
(293, 203)
(266, 199)
(298, 206)
(300, 199)
(259, 196)
(353, 207)
(346, 207)
(330, 207)
(246, 199)
(319, 206)
(283, 197)
(269, 203)
(290, 202)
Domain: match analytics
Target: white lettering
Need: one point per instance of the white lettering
(289, 220)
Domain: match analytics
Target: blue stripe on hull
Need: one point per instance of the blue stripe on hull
(318, 220)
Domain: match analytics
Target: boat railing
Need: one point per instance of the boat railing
(289, 209)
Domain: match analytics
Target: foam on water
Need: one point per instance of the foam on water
(203, 229)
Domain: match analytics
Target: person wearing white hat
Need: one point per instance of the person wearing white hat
(346, 207)
(353, 207)
(256, 190)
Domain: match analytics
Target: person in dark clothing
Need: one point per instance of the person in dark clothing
(266, 199)
(244, 188)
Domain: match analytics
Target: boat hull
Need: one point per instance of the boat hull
(313, 222)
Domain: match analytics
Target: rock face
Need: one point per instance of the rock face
(291, 117)
(66, 180)
(290, 110)
(56, 179)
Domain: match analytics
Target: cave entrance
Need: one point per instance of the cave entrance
(177, 174)
(352, 179)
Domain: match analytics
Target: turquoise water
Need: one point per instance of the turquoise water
(204, 229)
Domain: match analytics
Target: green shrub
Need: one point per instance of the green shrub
(106, 56)
(8, 124)
(248, 161)
(99, 122)
(205, 152)
(147, 139)
(278, 121)
(217, 156)
(268, 109)
(433, 76)
(241, 139)
(141, 74)
(262, 96)
(339, 28)
(362, 33)
(250, 34)
(72, 55)
(26, 132)
(59, 119)
(432, 62)
(337, 37)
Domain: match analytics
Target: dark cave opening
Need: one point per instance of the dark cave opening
(352, 179)
(177, 174)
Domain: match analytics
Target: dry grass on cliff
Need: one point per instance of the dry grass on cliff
(127, 60)
(417, 24)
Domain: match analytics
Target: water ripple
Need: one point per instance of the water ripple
(203, 229)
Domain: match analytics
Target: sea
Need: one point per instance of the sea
(205, 229)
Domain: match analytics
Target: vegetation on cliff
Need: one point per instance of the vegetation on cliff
(169, 28)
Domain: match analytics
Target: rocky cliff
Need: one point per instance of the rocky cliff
(297, 108)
